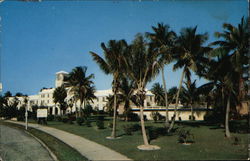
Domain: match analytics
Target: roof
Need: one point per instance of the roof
(102, 93)
(62, 72)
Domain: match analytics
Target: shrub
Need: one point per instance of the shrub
(42, 121)
(87, 110)
(50, 118)
(20, 118)
(100, 117)
(155, 116)
(152, 133)
(58, 118)
(135, 127)
(127, 129)
(236, 141)
(110, 125)
(185, 136)
(190, 117)
(213, 117)
(79, 120)
(100, 124)
(133, 117)
(72, 117)
(88, 123)
(65, 119)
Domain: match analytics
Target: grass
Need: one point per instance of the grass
(60, 149)
(210, 142)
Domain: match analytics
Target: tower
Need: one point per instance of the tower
(60, 77)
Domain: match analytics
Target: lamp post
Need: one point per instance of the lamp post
(26, 118)
(26, 113)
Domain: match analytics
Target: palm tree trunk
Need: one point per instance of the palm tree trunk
(166, 97)
(177, 100)
(113, 134)
(227, 118)
(192, 112)
(144, 134)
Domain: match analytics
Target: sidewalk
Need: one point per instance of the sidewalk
(89, 149)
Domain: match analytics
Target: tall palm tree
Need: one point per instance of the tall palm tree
(59, 96)
(189, 55)
(223, 77)
(140, 68)
(235, 39)
(80, 85)
(158, 91)
(112, 63)
(162, 40)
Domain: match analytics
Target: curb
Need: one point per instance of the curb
(44, 145)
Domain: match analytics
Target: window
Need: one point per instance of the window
(103, 99)
(48, 95)
(48, 101)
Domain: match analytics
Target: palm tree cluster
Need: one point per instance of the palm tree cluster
(80, 87)
(133, 65)
(77, 85)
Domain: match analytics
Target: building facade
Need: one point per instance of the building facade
(44, 98)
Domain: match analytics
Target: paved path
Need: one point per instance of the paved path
(87, 148)
(16, 145)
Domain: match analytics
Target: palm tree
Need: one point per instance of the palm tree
(223, 78)
(189, 55)
(112, 63)
(162, 40)
(80, 85)
(126, 94)
(158, 91)
(191, 95)
(236, 41)
(140, 69)
(59, 96)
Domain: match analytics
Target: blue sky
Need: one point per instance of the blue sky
(39, 39)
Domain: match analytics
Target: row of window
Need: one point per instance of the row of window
(45, 95)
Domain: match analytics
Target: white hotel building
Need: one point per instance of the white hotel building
(45, 98)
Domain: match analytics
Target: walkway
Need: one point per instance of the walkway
(89, 149)
(16, 145)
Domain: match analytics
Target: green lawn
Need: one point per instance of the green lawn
(60, 149)
(209, 142)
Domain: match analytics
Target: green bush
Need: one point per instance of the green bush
(135, 127)
(80, 120)
(58, 118)
(190, 117)
(110, 125)
(87, 110)
(127, 129)
(184, 136)
(133, 117)
(157, 116)
(20, 118)
(88, 123)
(50, 118)
(65, 119)
(100, 124)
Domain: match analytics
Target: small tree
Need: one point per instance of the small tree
(59, 96)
